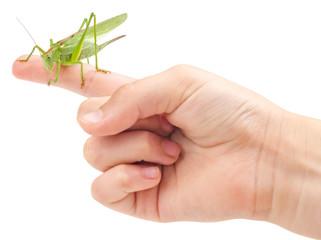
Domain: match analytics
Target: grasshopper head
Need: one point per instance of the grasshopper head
(47, 61)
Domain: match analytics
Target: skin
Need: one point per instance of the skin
(188, 145)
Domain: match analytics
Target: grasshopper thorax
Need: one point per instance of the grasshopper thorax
(51, 56)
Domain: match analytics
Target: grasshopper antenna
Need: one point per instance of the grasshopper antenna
(26, 30)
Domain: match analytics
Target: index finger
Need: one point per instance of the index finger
(96, 83)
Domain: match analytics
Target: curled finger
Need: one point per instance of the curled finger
(129, 147)
(116, 187)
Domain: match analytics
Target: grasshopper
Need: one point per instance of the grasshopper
(80, 45)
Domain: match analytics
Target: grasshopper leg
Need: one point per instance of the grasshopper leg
(102, 70)
(95, 39)
(83, 23)
(39, 48)
(56, 75)
(77, 50)
(81, 70)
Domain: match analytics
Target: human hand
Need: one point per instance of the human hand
(223, 151)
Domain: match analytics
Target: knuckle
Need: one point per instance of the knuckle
(98, 191)
(82, 109)
(125, 91)
(182, 74)
(91, 151)
(123, 177)
(180, 69)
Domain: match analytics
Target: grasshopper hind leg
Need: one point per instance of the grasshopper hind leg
(81, 70)
(102, 70)
(95, 42)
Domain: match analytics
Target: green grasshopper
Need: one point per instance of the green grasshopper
(78, 46)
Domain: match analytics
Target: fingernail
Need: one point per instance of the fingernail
(150, 172)
(170, 148)
(93, 117)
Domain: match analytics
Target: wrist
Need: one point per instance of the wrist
(290, 174)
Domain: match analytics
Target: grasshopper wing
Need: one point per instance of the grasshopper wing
(102, 28)
(89, 50)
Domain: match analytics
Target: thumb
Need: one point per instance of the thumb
(159, 94)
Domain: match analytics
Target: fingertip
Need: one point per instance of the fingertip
(31, 70)
(17, 67)
(171, 148)
(22, 57)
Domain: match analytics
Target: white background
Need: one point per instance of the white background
(272, 47)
